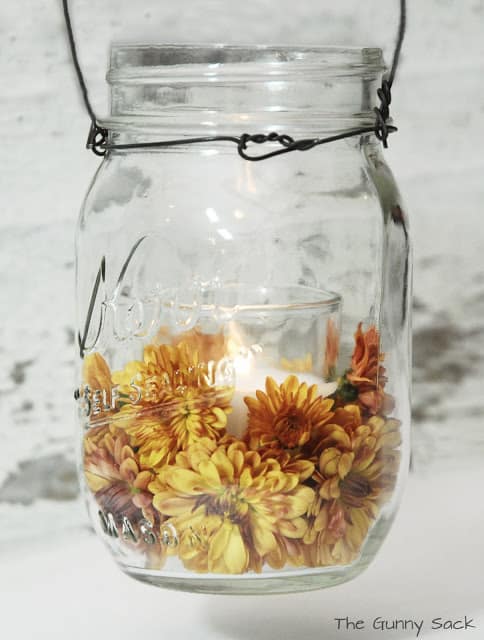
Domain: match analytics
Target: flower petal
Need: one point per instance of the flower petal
(264, 540)
(236, 556)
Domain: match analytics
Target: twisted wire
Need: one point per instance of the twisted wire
(98, 138)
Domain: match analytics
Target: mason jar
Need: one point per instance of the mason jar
(243, 334)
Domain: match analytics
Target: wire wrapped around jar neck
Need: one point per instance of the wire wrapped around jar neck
(184, 91)
(100, 142)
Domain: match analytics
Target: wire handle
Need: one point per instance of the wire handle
(98, 138)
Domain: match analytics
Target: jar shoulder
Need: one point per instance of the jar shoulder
(302, 186)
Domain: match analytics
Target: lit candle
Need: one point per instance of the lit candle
(249, 378)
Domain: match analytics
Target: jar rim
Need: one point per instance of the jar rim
(190, 90)
(276, 298)
(214, 61)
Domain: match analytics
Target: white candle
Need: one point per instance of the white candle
(249, 378)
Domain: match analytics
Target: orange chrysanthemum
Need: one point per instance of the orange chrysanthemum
(331, 353)
(232, 510)
(365, 381)
(366, 355)
(286, 416)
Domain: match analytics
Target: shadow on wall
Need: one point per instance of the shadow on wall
(445, 354)
(50, 478)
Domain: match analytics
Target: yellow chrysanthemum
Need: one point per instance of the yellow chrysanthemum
(164, 369)
(298, 365)
(178, 403)
(96, 388)
(96, 373)
(348, 417)
(209, 346)
(287, 416)
(232, 510)
(351, 483)
(180, 421)
(336, 433)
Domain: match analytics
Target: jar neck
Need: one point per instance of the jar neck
(176, 91)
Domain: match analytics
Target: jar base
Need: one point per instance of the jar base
(280, 583)
(267, 583)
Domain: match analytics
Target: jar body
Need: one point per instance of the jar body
(244, 381)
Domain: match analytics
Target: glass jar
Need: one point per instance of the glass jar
(243, 326)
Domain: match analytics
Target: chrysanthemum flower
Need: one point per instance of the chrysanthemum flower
(335, 433)
(232, 510)
(286, 416)
(366, 355)
(331, 352)
(365, 381)
(348, 417)
(209, 346)
(163, 369)
(182, 419)
(96, 388)
(298, 365)
(96, 373)
(291, 462)
(178, 405)
(351, 485)
(114, 474)
(119, 483)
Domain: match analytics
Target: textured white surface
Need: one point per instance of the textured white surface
(433, 559)
(429, 567)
